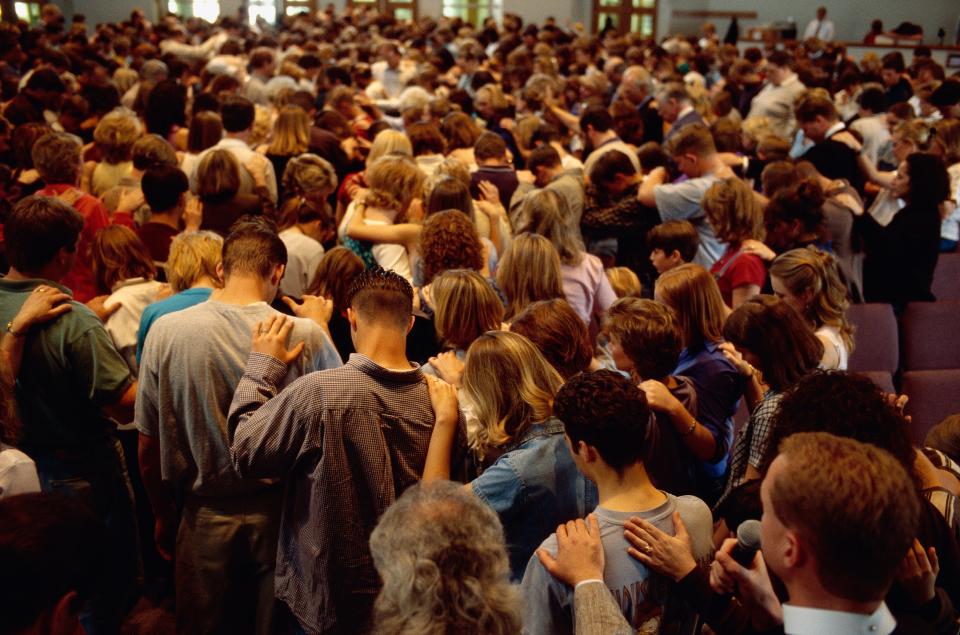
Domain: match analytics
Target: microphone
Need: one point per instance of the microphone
(748, 542)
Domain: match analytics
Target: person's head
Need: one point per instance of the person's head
(118, 254)
(41, 235)
(545, 164)
(24, 137)
(262, 61)
(526, 253)
(425, 138)
(946, 142)
(489, 101)
(733, 211)
(613, 172)
(56, 156)
(645, 340)
(465, 307)
(672, 98)
(448, 192)
(164, 187)
(511, 383)
(237, 114)
(336, 272)
(910, 137)
(794, 215)
(389, 142)
(311, 177)
(605, 417)
(490, 148)
(449, 241)
(218, 176)
(672, 243)
(945, 436)
(382, 300)
(557, 332)
(253, 250)
(194, 258)
(395, 181)
(545, 212)
(390, 53)
(596, 122)
(838, 517)
(816, 114)
(636, 84)
(291, 132)
(460, 130)
(46, 87)
(922, 179)
(692, 149)
(892, 68)
(441, 554)
(809, 280)
(625, 283)
(775, 339)
(693, 295)
(206, 130)
(150, 151)
(166, 107)
(115, 135)
(53, 549)
(777, 176)
(779, 67)
(871, 100)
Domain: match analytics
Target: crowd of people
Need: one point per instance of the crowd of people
(365, 325)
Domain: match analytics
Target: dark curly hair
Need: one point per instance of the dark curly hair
(449, 241)
(606, 410)
(845, 405)
(381, 295)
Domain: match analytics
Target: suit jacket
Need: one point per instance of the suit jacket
(688, 119)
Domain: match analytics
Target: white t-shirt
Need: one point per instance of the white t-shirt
(303, 256)
(391, 256)
(832, 335)
(18, 473)
(133, 295)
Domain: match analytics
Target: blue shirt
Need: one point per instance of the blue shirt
(534, 486)
(178, 302)
(719, 387)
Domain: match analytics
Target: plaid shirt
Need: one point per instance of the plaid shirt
(752, 440)
(350, 441)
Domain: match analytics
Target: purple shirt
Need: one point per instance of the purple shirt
(586, 286)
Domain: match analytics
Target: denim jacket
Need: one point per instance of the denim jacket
(534, 486)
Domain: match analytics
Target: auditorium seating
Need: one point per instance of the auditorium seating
(930, 339)
(876, 338)
(934, 394)
(946, 277)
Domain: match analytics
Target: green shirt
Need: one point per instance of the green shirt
(70, 370)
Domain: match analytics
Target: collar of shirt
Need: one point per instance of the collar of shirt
(29, 284)
(230, 142)
(798, 620)
(683, 113)
(543, 429)
(834, 129)
(375, 370)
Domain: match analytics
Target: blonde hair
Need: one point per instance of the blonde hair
(192, 256)
(695, 298)
(546, 213)
(115, 135)
(625, 282)
(310, 176)
(493, 93)
(389, 142)
(465, 307)
(809, 268)
(916, 131)
(394, 182)
(512, 385)
(291, 132)
(733, 211)
(529, 253)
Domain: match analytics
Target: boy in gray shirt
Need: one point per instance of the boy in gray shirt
(606, 416)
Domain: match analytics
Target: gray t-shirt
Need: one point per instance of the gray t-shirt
(682, 201)
(192, 362)
(642, 594)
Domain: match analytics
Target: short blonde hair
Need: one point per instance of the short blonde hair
(389, 142)
(624, 281)
(733, 211)
(695, 298)
(529, 253)
(192, 256)
(394, 182)
(465, 307)
(115, 135)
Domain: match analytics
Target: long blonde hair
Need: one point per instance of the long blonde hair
(809, 268)
(291, 132)
(529, 271)
(547, 213)
(465, 307)
(512, 385)
(395, 181)
(695, 298)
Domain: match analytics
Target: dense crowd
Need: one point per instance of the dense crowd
(272, 295)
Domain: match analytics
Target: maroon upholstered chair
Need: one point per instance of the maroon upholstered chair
(931, 335)
(876, 340)
(934, 394)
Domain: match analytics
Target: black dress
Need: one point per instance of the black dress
(901, 257)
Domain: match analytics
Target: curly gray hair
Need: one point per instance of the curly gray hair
(442, 557)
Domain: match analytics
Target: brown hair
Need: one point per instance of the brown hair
(648, 334)
(56, 156)
(489, 146)
(527, 253)
(151, 151)
(695, 298)
(115, 135)
(733, 212)
(465, 307)
(460, 130)
(693, 139)
(218, 176)
(206, 130)
(558, 332)
(675, 235)
(625, 283)
(777, 176)
(337, 270)
(813, 105)
(118, 254)
(855, 507)
(948, 137)
(425, 138)
(291, 132)
(547, 213)
(449, 241)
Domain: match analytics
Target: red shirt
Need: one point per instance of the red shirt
(95, 217)
(743, 270)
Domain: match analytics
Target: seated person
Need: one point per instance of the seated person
(494, 166)
(606, 418)
(672, 243)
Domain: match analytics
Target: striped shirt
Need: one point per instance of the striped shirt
(350, 441)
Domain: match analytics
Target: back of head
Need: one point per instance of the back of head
(852, 506)
(694, 139)
(118, 254)
(778, 336)
(695, 298)
(802, 202)
(336, 272)
(163, 186)
(511, 383)
(50, 545)
(56, 156)
(252, 248)
(465, 307)
(673, 91)
(675, 235)
(813, 105)
(871, 98)
(777, 176)
(218, 176)
(447, 192)
(449, 241)
(610, 164)
(529, 252)
(545, 156)
(237, 113)
(193, 255)
(206, 130)
(441, 555)
(389, 142)
(558, 333)
(607, 411)
(115, 135)
(150, 151)
(311, 176)
(382, 297)
(733, 211)
(598, 118)
(45, 80)
(546, 212)
(394, 182)
(490, 147)
(945, 436)
(425, 138)
(648, 334)
(929, 180)
(37, 229)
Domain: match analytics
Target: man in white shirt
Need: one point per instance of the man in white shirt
(776, 100)
(390, 75)
(596, 125)
(262, 65)
(820, 28)
(872, 124)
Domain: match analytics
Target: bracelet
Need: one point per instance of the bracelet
(693, 426)
(12, 332)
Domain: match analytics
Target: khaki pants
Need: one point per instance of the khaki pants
(226, 552)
